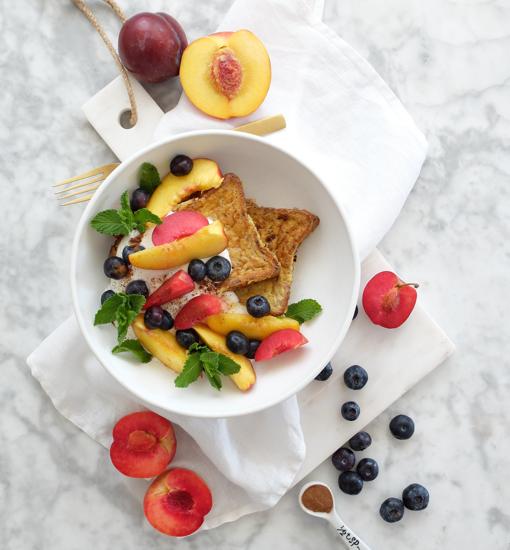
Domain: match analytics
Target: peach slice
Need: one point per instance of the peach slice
(178, 225)
(161, 343)
(206, 174)
(207, 241)
(245, 378)
(143, 444)
(176, 502)
(279, 342)
(226, 74)
(250, 326)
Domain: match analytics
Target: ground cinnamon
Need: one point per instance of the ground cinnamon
(318, 498)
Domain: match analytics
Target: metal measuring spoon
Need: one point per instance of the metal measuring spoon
(349, 538)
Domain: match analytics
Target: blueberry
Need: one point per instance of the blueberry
(343, 459)
(115, 267)
(350, 483)
(258, 306)
(355, 314)
(218, 268)
(355, 377)
(237, 342)
(415, 497)
(197, 270)
(360, 441)
(350, 410)
(106, 294)
(392, 510)
(402, 427)
(187, 337)
(325, 373)
(368, 469)
(181, 165)
(138, 287)
(153, 317)
(139, 199)
(253, 346)
(168, 321)
(131, 249)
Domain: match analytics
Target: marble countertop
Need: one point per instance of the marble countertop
(448, 62)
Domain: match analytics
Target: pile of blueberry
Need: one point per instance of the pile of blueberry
(415, 496)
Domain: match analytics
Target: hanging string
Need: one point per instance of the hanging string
(89, 14)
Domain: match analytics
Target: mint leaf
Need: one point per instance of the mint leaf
(212, 373)
(109, 222)
(304, 310)
(227, 366)
(135, 348)
(211, 358)
(190, 372)
(197, 347)
(124, 220)
(148, 177)
(144, 216)
(124, 202)
(106, 313)
(127, 313)
(121, 309)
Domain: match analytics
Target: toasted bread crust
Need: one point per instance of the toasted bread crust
(282, 230)
(251, 260)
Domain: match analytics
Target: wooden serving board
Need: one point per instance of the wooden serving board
(395, 359)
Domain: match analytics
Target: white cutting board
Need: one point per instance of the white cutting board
(395, 359)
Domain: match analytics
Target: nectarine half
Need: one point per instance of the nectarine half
(226, 74)
(176, 502)
(143, 444)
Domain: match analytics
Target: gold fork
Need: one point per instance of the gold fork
(91, 180)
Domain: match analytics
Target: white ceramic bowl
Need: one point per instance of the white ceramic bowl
(327, 269)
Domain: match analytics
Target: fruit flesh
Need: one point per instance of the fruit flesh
(177, 501)
(205, 174)
(178, 225)
(388, 301)
(162, 344)
(253, 328)
(179, 284)
(196, 310)
(279, 342)
(143, 444)
(207, 241)
(245, 378)
(226, 74)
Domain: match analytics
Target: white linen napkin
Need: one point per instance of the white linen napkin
(344, 122)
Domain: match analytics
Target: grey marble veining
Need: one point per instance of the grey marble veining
(448, 62)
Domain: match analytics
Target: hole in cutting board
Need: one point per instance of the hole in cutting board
(125, 119)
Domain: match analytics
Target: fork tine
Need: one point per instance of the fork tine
(99, 177)
(78, 192)
(105, 169)
(76, 201)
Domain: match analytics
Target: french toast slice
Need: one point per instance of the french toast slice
(282, 230)
(251, 260)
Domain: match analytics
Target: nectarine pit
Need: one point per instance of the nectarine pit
(226, 72)
(179, 501)
(141, 441)
(391, 299)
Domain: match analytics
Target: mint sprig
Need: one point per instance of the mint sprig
(135, 348)
(148, 177)
(120, 309)
(203, 360)
(124, 220)
(304, 310)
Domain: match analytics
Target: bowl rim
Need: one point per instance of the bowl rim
(82, 224)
